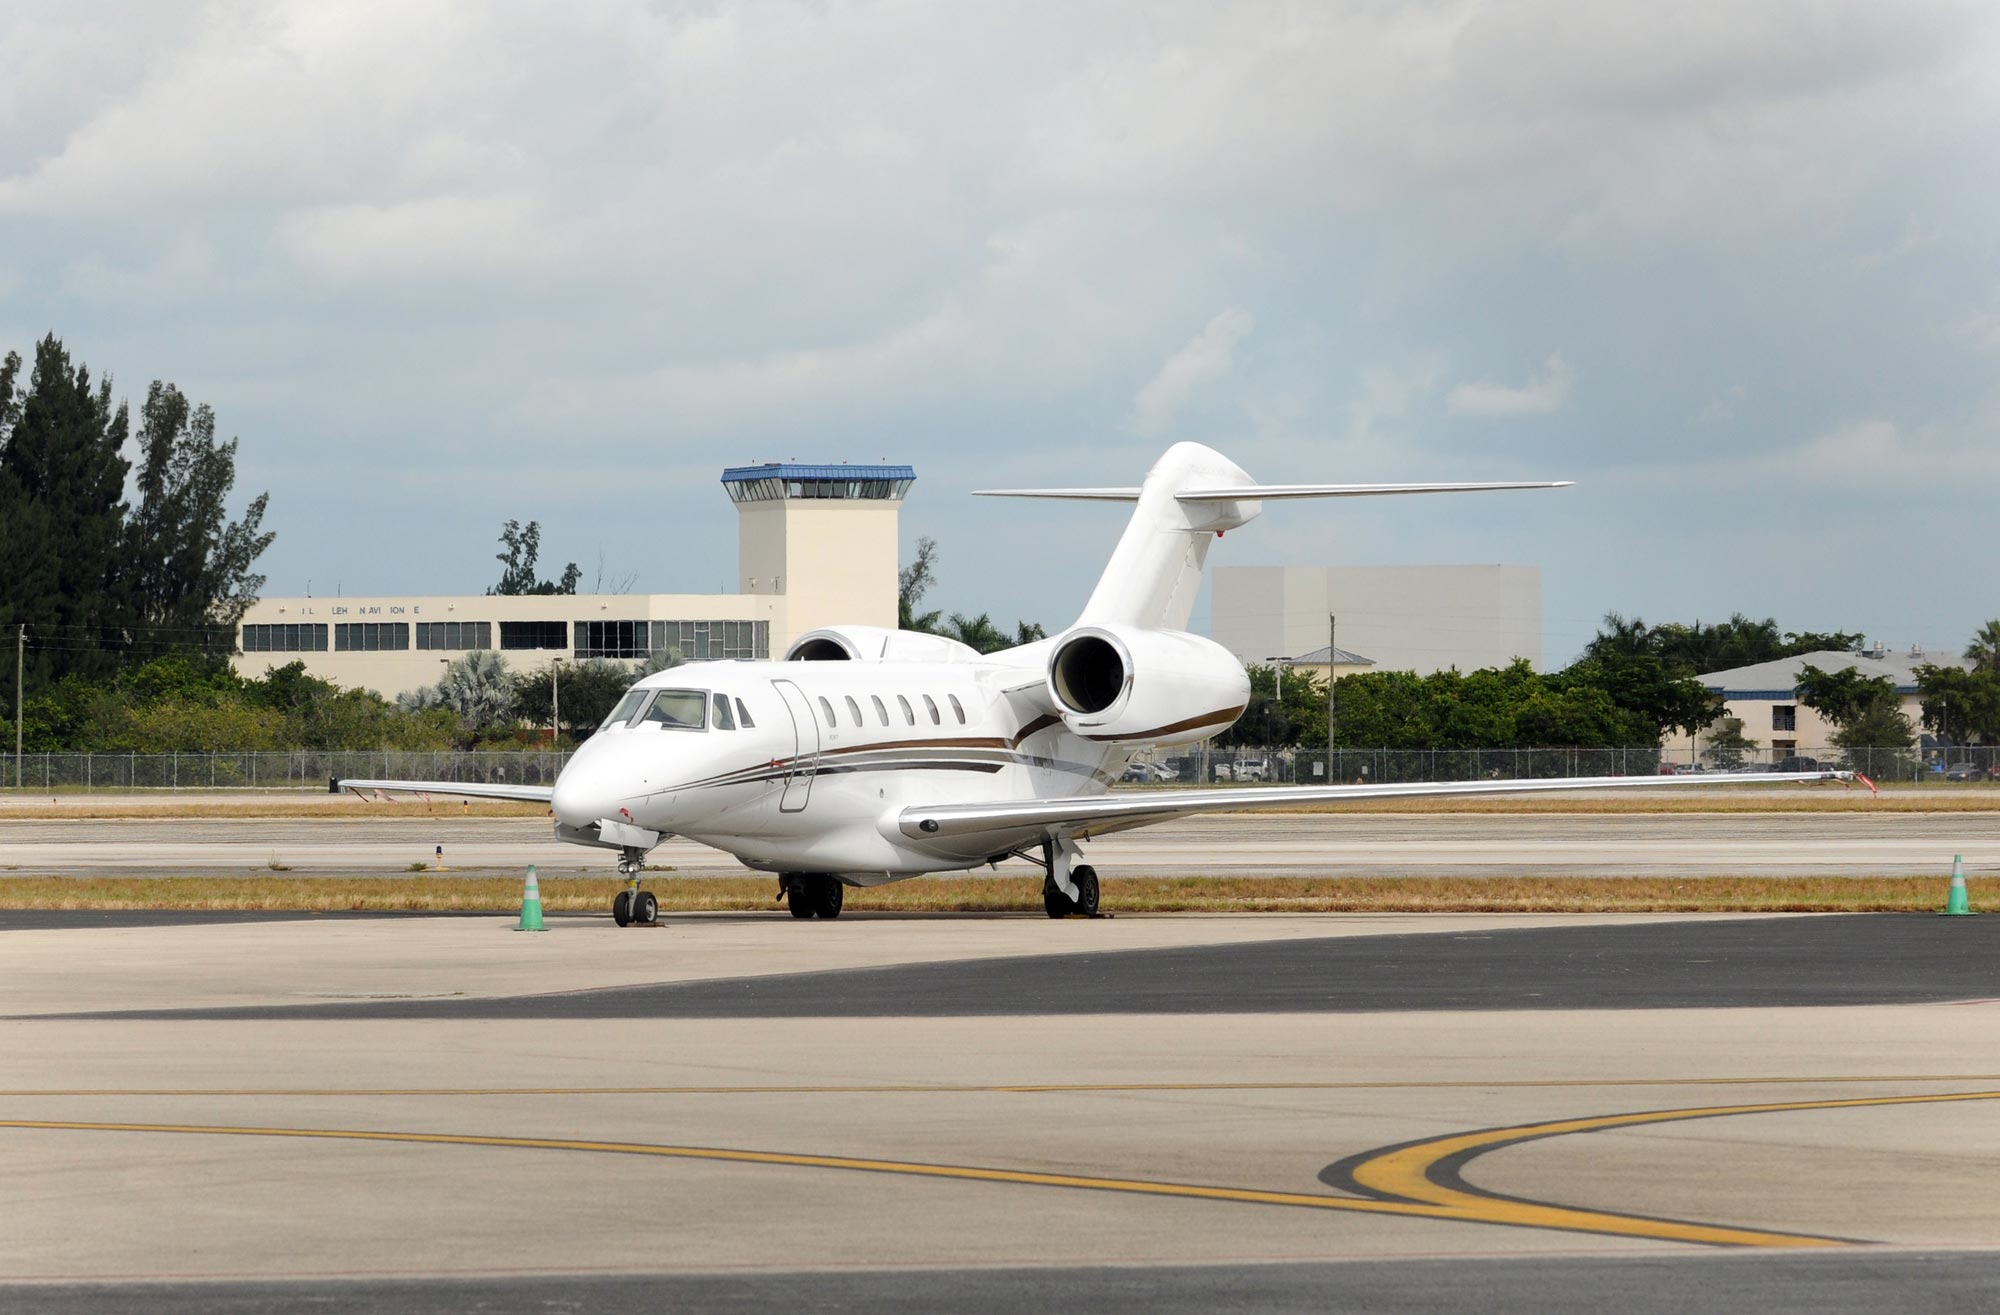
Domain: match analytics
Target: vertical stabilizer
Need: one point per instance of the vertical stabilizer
(1155, 572)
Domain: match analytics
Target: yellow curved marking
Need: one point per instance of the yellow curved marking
(911, 1168)
(1404, 1172)
(1015, 1088)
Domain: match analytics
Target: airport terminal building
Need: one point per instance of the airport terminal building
(816, 546)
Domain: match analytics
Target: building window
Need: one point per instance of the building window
(284, 639)
(909, 718)
(613, 639)
(827, 708)
(371, 637)
(710, 641)
(534, 634)
(930, 706)
(881, 712)
(1784, 716)
(454, 634)
(956, 710)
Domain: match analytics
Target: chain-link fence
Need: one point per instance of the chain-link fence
(1203, 764)
(299, 769)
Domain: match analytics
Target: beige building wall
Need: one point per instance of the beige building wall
(1406, 618)
(830, 562)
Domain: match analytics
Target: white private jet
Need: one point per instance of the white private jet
(868, 755)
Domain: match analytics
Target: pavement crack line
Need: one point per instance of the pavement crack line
(1421, 1179)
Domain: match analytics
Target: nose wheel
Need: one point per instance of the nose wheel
(633, 905)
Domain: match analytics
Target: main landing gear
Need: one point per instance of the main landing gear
(632, 904)
(811, 894)
(1059, 905)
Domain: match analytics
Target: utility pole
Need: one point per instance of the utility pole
(20, 670)
(1332, 688)
(555, 705)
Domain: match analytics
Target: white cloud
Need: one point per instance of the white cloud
(1542, 394)
(1724, 406)
(1207, 357)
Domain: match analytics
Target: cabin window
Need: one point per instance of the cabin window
(626, 707)
(908, 717)
(743, 718)
(854, 710)
(723, 721)
(956, 710)
(678, 710)
(827, 708)
(930, 706)
(880, 711)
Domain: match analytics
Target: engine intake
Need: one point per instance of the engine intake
(1123, 684)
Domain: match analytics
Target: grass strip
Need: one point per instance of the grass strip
(1020, 894)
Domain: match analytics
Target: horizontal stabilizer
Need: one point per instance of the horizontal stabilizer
(1270, 492)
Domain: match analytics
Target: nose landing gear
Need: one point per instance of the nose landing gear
(632, 904)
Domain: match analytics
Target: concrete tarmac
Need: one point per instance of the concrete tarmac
(1264, 844)
(1736, 1132)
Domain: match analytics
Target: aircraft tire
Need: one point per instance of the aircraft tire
(646, 908)
(1055, 902)
(798, 895)
(621, 908)
(1084, 878)
(829, 895)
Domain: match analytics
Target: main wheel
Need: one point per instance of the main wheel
(830, 895)
(1084, 878)
(621, 908)
(799, 895)
(1055, 902)
(646, 909)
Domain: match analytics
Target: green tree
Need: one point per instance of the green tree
(476, 688)
(1984, 650)
(1958, 705)
(188, 568)
(62, 512)
(589, 690)
(521, 547)
(1866, 709)
(912, 583)
(1728, 746)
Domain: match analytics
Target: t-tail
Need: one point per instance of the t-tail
(1192, 495)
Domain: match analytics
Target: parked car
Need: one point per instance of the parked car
(1966, 772)
(1145, 774)
(1243, 769)
(1795, 763)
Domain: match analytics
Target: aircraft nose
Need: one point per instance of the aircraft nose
(586, 790)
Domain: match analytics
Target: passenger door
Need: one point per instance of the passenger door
(805, 748)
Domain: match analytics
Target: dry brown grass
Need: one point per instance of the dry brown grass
(1020, 894)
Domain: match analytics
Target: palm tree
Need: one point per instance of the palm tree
(1984, 650)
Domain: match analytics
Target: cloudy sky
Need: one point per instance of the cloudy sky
(1735, 268)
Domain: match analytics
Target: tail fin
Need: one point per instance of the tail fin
(1191, 495)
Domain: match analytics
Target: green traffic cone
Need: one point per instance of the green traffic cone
(1955, 904)
(531, 904)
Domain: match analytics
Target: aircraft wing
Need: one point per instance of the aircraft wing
(1096, 814)
(520, 794)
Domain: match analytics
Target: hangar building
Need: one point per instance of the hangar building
(816, 546)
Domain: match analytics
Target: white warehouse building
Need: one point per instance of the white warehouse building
(816, 546)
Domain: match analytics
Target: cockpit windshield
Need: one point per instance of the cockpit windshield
(677, 709)
(626, 707)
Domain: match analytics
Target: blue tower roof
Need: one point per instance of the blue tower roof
(778, 480)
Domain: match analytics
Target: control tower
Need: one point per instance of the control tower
(821, 538)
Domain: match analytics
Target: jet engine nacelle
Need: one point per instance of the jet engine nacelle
(876, 644)
(1122, 684)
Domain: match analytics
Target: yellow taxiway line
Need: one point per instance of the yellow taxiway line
(1419, 1180)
